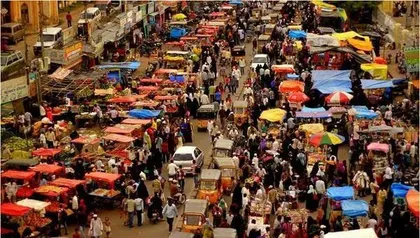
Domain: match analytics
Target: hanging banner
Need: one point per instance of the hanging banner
(412, 59)
(14, 89)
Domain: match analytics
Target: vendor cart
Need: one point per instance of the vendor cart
(22, 178)
(105, 195)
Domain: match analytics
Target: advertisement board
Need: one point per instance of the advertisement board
(68, 35)
(65, 56)
(412, 59)
(14, 89)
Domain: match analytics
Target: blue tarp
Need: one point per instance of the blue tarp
(235, 2)
(177, 78)
(144, 113)
(330, 81)
(355, 208)
(177, 33)
(374, 84)
(400, 190)
(292, 76)
(297, 34)
(313, 114)
(313, 109)
(340, 193)
(364, 112)
(122, 65)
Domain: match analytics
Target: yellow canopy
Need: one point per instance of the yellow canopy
(321, 4)
(361, 44)
(348, 35)
(378, 71)
(273, 115)
(312, 128)
(179, 16)
(343, 13)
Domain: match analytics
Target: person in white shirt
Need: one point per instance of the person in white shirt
(245, 201)
(261, 172)
(388, 176)
(172, 168)
(320, 186)
(235, 159)
(139, 210)
(143, 176)
(413, 152)
(75, 203)
(255, 161)
(372, 223)
(204, 99)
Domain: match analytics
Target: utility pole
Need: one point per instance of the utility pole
(40, 22)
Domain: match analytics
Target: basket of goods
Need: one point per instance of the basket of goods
(34, 219)
(54, 207)
(296, 215)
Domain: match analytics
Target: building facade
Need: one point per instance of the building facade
(29, 12)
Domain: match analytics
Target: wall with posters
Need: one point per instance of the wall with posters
(412, 59)
(14, 89)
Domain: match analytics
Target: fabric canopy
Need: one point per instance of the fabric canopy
(110, 178)
(362, 112)
(291, 86)
(348, 35)
(400, 190)
(297, 34)
(51, 191)
(340, 193)
(34, 204)
(361, 44)
(378, 71)
(120, 65)
(144, 113)
(313, 109)
(122, 99)
(118, 138)
(330, 81)
(15, 174)
(413, 201)
(69, 183)
(374, 84)
(86, 140)
(46, 152)
(378, 147)
(273, 115)
(11, 209)
(47, 168)
(136, 121)
(119, 130)
(354, 208)
(362, 233)
(321, 40)
(313, 114)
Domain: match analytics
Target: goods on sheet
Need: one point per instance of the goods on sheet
(54, 207)
(47, 188)
(260, 207)
(100, 192)
(273, 131)
(315, 157)
(297, 215)
(34, 219)
(379, 164)
(17, 143)
(84, 93)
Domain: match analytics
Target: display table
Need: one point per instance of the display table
(105, 197)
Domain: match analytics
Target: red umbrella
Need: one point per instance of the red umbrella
(339, 97)
(297, 97)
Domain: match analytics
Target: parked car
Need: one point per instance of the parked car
(13, 32)
(185, 155)
(12, 64)
(53, 38)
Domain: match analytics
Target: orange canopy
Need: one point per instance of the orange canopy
(291, 86)
(148, 88)
(147, 80)
(86, 140)
(11, 209)
(118, 138)
(360, 44)
(189, 38)
(51, 191)
(107, 177)
(14, 174)
(136, 121)
(166, 71)
(416, 83)
(122, 99)
(119, 130)
(413, 202)
(163, 98)
(47, 168)
(46, 152)
(68, 183)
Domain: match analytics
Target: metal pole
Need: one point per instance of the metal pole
(41, 22)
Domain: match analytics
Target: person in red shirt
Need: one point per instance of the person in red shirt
(69, 18)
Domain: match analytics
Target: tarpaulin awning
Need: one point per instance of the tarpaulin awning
(177, 78)
(108, 177)
(292, 76)
(340, 193)
(123, 99)
(354, 208)
(86, 140)
(148, 88)
(68, 183)
(378, 147)
(341, 75)
(378, 71)
(122, 65)
(273, 115)
(21, 162)
(144, 113)
(330, 81)
(342, 13)
(312, 128)
(167, 97)
(413, 201)
(136, 121)
(362, 233)
(51, 191)
(15, 174)
(361, 44)
(348, 35)
(166, 71)
(11, 209)
(154, 80)
(177, 33)
(322, 4)
(60, 73)
(313, 114)
(47, 168)
(283, 68)
(374, 84)
(291, 86)
(217, 14)
(235, 2)
(313, 109)
(34, 204)
(119, 130)
(44, 152)
(296, 34)
(400, 190)
(145, 104)
(384, 128)
(321, 40)
(118, 138)
(362, 112)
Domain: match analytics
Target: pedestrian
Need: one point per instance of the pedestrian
(139, 210)
(62, 219)
(69, 18)
(82, 221)
(130, 208)
(170, 212)
(107, 227)
(196, 171)
(96, 227)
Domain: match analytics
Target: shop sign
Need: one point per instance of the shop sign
(56, 56)
(412, 59)
(73, 52)
(14, 89)
(123, 21)
(139, 16)
(143, 9)
(68, 35)
(150, 7)
(130, 16)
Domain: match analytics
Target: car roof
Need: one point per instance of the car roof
(10, 24)
(210, 174)
(185, 150)
(92, 9)
(51, 30)
(196, 206)
(223, 144)
(224, 161)
(260, 55)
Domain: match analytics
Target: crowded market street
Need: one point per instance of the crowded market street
(220, 119)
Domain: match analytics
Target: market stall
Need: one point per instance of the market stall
(67, 183)
(22, 178)
(49, 169)
(379, 154)
(413, 202)
(46, 152)
(88, 143)
(105, 193)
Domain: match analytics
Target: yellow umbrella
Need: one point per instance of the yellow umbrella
(273, 115)
(179, 16)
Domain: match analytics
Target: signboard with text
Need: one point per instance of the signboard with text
(65, 56)
(412, 59)
(14, 89)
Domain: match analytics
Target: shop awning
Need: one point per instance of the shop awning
(15, 174)
(136, 121)
(46, 152)
(330, 81)
(355, 208)
(118, 138)
(34, 204)
(340, 193)
(144, 113)
(374, 84)
(121, 65)
(273, 115)
(413, 201)
(110, 178)
(86, 140)
(11, 209)
(51, 191)
(47, 168)
(378, 147)
(119, 130)
(68, 183)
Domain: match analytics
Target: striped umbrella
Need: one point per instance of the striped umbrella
(326, 138)
(339, 97)
(297, 97)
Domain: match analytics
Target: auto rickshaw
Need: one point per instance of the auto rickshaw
(238, 52)
(229, 171)
(266, 19)
(269, 29)
(262, 41)
(224, 233)
(223, 148)
(256, 12)
(194, 216)
(240, 112)
(210, 185)
(204, 114)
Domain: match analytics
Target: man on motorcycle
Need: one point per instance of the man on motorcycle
(156, 185)
(175, 191)
(155, 205)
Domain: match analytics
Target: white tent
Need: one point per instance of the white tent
(34, 204)
(365, 233)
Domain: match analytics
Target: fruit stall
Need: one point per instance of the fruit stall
(23, 178)
(46, 152)
(105, 193)
(57, 196)
(71, 184)
(49, 169)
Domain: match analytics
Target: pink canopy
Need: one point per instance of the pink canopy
(46, 152)
(118, 138)
(378, 147)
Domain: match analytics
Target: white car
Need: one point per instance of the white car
(91, 14)
(185, 155)
(52, 36)
(260, 59)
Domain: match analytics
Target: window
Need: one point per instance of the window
(208, 185)
(182, 157)
(192, 220)
(48, 38)
(197, 152)
(6, 29)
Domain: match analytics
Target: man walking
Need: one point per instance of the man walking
(170, 212)
(68, 18)
(139, 210)
(130, 206)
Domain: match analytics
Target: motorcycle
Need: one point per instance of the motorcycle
(179, 199)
